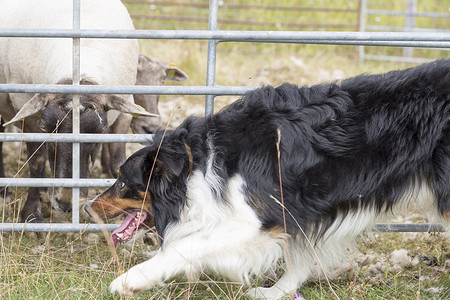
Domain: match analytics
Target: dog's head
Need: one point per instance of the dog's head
(150, 188)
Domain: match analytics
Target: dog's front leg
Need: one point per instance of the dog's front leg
(138, 278)
(165, 264)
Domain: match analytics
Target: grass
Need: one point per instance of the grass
(81, 266)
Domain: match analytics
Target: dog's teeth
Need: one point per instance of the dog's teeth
(119, 235)
(138, 215)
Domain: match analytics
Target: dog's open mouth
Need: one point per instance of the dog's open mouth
(128, 227)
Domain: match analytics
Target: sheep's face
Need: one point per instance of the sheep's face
(57, 118)
(152, 72)
(54, 114)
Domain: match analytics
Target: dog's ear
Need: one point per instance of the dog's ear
(171, 161)
(172, 156)
(179, 136)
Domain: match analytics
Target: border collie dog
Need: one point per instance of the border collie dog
(285, 174)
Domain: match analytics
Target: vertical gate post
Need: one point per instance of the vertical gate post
(212, 54)
(410, 20)
(76, 114)
(362, 25)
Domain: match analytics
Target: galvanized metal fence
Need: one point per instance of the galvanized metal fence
(154, 15)
(409, 14)
(214, 37)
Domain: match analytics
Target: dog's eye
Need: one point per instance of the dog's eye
(121, 185)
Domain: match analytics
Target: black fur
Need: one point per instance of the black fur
(363, 142)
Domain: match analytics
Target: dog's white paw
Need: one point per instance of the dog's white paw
(120, 286)
(130, 283)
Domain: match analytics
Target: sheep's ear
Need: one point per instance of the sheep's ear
(151, 65)
(33, 106)
(122, 105)
(143, 62)
(176, 74)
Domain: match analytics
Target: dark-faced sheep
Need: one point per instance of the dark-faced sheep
(152, 72)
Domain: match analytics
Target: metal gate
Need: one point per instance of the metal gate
(213, 36)
(409, 14)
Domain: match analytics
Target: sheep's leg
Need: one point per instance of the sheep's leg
(117, 150)
(31, 211)
(104, 160)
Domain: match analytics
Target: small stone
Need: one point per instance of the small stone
(447, 263)
(429, 260)
(38, 249)
(369, 259)
(400, 258)
(415, 261)
(434, 290)
(151, 239)
(92, 238)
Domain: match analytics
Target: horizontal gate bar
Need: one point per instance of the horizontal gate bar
(407, 13)
(76, 138)
(418, 44)
(125, 89)
(231, 35)
(404, 59)
(56, 227)
(69, 227)
(402, 227)
(225, 35)
(56, 182)
(403, 29)
(243, 6)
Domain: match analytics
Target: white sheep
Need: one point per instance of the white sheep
(49, 61)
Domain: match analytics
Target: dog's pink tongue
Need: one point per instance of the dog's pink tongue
(128, 226)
